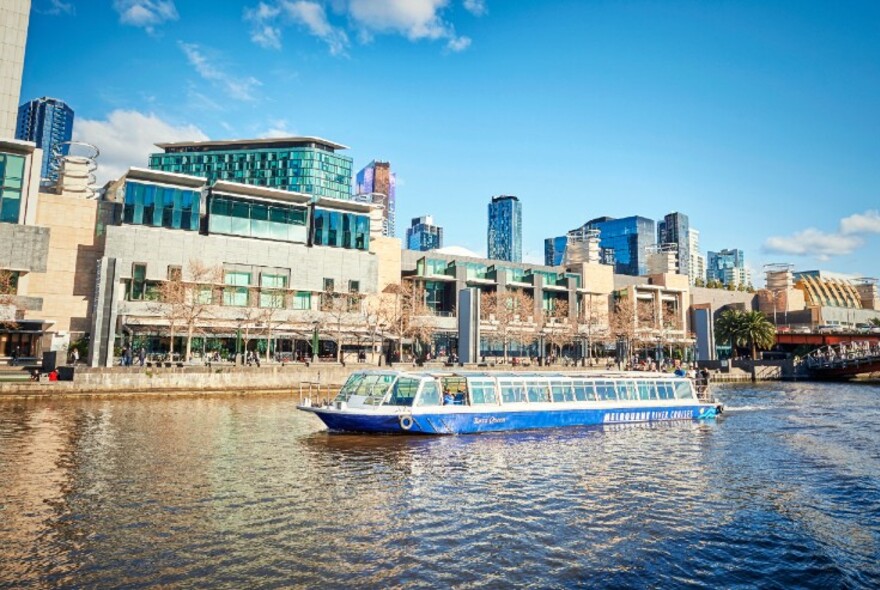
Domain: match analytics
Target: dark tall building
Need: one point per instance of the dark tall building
(48, 122)
(674, 229)
(504, 234)
(377, 182)
(424, 235)
(623, 242)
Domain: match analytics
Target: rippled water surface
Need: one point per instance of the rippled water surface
(783, 491)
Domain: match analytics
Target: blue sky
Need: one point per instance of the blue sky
(758, 119)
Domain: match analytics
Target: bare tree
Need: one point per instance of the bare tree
(593, 320)
(9, 313)
(185, 299)
(404, 313)
(622, 324)
(341, 311)
(510, 314)
(559, 328)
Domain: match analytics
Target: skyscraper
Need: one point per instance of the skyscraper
(13, 31)
(378, 182)
(504, 235)
(698, 261)
(47, 122)
(423, 234)
(309, 165)
(624, 242)
(728, 266)
(674, 229)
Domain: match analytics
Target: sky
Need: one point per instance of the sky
(758, 119)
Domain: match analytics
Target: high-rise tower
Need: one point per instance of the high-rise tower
(48, 122)
(504, 234)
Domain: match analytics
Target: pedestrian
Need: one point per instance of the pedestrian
(75, 356)
(142, 355)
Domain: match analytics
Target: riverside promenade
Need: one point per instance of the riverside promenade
(298, 379)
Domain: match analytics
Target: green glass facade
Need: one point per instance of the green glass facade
(161, 206)
(11, 182)
(310, 170)
(256, 219)
(341, 230)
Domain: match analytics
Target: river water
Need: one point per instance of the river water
(783, 491)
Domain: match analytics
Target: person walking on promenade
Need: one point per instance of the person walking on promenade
(142, 355)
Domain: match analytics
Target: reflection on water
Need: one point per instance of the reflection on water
(784, 490)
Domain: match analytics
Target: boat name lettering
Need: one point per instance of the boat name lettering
(647, 416)
(490, 420)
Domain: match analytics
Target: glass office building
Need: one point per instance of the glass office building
(307, 165)
(720, 264)
(339, 229)
(628, 238)
(256, 219)
(675, 229)
(424, 235)
(48, 122)
(161, 206)
(375, 183)
(554, 250)
(504, 235)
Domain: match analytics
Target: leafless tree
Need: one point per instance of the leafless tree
(559, 327)
(185, 299)
(510, 314)
(593, 320)
(342, 312)
(9, 313)
(404, 313)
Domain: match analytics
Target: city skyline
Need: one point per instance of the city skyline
(759, 127)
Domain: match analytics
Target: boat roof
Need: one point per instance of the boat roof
(529, 374)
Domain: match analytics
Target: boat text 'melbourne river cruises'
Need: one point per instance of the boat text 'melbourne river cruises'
(464, 402)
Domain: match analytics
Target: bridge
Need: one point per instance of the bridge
(843, 360)
(826, 339)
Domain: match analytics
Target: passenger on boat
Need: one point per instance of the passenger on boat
(448, 398)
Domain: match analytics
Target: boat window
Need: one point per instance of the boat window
(456, 387)
(511, 392)
(605, 390)
(537, 391)
(562, 391)
(665, 389)
(626, 390)
(404, 392)
(350, 387)
(430, 395)
(583, 391)
(483, 392)
(683, 389)
(646, 390)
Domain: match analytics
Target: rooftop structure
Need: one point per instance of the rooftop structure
(309, 165)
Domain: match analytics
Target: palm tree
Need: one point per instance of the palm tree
(727, 328)
(758, 331)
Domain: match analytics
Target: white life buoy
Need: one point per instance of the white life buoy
(406, 422)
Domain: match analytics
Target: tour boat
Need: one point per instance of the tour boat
(467, 402)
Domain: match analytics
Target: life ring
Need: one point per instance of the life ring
(406, 422)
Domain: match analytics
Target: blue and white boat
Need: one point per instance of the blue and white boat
(467, 402)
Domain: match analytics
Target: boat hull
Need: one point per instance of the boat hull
(498, 421)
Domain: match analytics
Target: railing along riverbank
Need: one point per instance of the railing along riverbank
(315, 381)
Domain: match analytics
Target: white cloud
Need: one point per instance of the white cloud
(263, 32)
(861, 223)
(145, 13)
(277, 128)
(55, 8)
(314, 18)
(476, 7)
(812, 242)
(414, 19)
(237, 88)
(126, 138)
(823, 245)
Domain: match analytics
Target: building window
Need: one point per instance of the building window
(354, 286)
(257, 220)
(138, 281)
(272, 288)
(237, 287)
(175, 273)
(11, 179)
(302, 300)
(329, 285)
(341, 230)
(161, 206)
